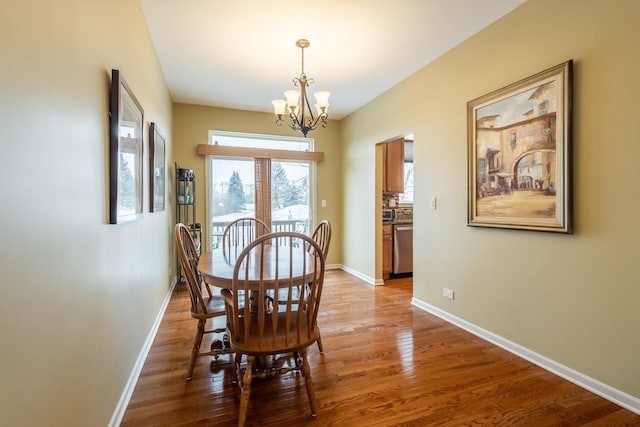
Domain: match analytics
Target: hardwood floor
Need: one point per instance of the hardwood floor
(385, 363)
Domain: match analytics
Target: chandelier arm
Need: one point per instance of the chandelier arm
(303, 98)
(321, 119)
(311, 116)
(296, 125)
(293, 126)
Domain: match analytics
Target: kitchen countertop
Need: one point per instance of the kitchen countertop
(398, 222)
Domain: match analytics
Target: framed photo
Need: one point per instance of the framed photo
(519, 154)
(157, 168)
(125, 152)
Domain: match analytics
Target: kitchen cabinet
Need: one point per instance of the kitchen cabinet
(393, 169)
(387, 250)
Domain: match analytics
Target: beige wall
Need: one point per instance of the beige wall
(572, 298)
(78, 297)
(192, 124)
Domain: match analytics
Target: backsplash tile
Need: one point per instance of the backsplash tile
(389, 201)
(404, 213)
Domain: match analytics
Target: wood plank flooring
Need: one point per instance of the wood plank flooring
(386, 363)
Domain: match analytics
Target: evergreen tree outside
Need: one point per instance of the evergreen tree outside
(283, 192)
(235, 194)
(299, 195)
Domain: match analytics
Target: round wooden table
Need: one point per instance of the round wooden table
(216, 266)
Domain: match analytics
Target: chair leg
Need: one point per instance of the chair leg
(320, 342)
(245, 386)
(208, 288)
(197, 340)
(237, 359)
(308, 382)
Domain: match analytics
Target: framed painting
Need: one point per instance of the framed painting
(519, 154)
(125, 152)
(157, 168)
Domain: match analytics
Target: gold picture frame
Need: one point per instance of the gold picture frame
(519, 154)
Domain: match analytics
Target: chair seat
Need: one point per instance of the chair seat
(215, 306)
(270, 341)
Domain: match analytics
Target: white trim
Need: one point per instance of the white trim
(603, 390)
(206, 239)
(261, 136)
(369, 280)
(121, 407)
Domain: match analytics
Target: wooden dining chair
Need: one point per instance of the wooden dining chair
(202, 308)
(288, 327)
(242, 231)
(322, 236)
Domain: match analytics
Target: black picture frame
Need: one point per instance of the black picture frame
(157, 169)
(519, 154)
(126, 118)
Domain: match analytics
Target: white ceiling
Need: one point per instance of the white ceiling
(241, 54)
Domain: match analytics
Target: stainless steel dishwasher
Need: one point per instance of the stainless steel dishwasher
(403, 248)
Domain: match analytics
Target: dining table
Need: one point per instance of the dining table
(216, 266)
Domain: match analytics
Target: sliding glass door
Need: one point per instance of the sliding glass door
(276, 191)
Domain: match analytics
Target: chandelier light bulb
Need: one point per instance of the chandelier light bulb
(292, 98)
(322, 99)
(279, 105)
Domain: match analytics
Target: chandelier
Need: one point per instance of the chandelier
(301, 117)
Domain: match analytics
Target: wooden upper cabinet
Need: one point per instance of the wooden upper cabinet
(393, 171)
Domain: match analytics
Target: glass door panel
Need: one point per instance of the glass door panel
(290, 207)
(231, 193)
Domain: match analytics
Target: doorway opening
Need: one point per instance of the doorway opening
(396, 190)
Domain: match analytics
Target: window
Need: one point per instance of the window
(407, 196)
(278, 191)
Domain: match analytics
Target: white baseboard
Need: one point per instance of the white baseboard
(359, 275)
(601, 389)
(121, 407)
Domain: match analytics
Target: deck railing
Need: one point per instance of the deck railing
(299, 226)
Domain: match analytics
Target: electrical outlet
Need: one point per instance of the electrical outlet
(447, 293)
